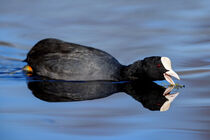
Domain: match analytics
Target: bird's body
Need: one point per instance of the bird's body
(61, 60)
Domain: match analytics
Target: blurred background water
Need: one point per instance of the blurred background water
(128, 30)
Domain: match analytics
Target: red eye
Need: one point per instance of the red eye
(158, 65)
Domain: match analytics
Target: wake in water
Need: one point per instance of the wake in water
(11, 63)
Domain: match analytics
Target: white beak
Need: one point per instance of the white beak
(167, 75)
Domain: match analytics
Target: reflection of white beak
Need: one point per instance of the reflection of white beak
(167, 104)
(167, 75)
(168, 90)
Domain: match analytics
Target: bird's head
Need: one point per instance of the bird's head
(159, 68)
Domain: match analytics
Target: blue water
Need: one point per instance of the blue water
(128, 30)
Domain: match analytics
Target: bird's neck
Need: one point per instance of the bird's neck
(134, 71)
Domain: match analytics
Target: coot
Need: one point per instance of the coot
(62, 60)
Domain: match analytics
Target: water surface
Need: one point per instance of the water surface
(128, 30)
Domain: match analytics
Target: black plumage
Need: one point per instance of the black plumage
(57, 59)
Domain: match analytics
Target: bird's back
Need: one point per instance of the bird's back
(67, 61)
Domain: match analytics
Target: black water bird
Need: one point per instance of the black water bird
(149, 94)
(57, 59)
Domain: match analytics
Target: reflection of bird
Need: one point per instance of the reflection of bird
(57, 59)
(152, 96)
(149, 94)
